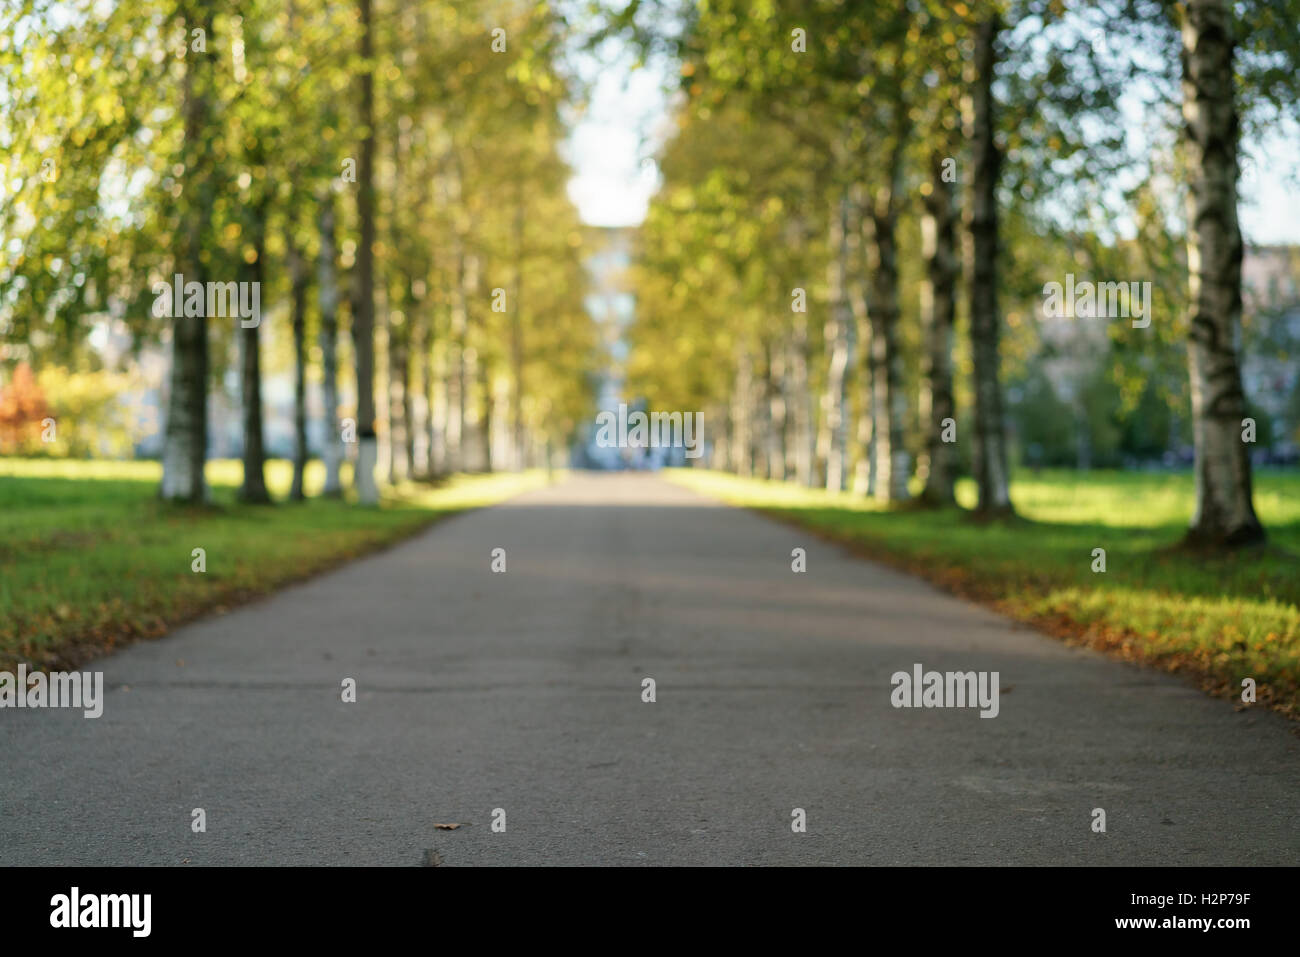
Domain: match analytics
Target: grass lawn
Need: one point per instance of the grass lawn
(90, 558)
(1215, 619)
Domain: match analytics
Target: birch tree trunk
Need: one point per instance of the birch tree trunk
(440, 411)
(517, 348)
(398, 321)
(840, 337)
(250, 372)
(402, 436)
(328, 292)
(456, 380)
(938, 307)
(363, 322)
(1225, 513)
(864, 473)
(398, 465)
(487, 411)
(776, 411)
(801, 391)
(761, 432)
(742, 462)
(989, 452)
(427, 468)
(472, 359)
(893, 464)
(298, 321)
(185, 440)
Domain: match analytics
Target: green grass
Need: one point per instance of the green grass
(1216, 619)
(90, 558)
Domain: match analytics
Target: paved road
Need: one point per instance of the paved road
(523, 691)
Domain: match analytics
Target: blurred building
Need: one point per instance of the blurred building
(1270, 368)
(611, 303)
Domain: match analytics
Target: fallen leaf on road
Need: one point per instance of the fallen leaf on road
(448, 827)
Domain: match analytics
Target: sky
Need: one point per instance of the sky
(612, 146)
(1270, 193)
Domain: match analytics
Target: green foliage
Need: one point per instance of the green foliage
(90, 415)
(102, 191)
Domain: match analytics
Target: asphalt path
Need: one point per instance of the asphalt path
(522, 693)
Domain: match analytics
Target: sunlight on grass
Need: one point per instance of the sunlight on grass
(90, 557)
(220, 473)
(1120, 499)
(469, 491)
(458, 491)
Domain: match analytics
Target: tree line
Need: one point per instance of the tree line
(847, 185)
(388, 175)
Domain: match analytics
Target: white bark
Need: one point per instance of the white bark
(938, 302)
(185, 438)
(1225, 513)
(889, 401)
(364, 479)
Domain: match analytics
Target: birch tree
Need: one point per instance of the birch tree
(1225, 513)
(363, 319)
